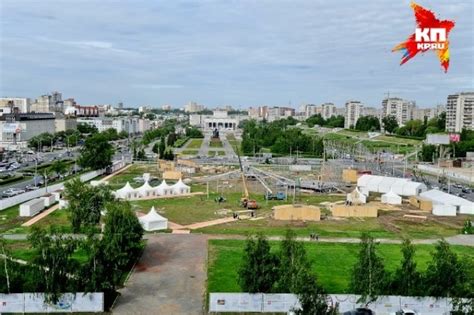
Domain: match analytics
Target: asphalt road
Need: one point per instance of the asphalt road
(169, 278)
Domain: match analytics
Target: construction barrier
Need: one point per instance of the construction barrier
(68, 302)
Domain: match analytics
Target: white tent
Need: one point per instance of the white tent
(180, 188)
(391, 198)
(444, 210)
(383, 184)
(164, 189)
(356, 197)
(146, 190)
(126, 192)
(447, 201)
(152, 221)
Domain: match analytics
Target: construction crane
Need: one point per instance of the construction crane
(245, 201)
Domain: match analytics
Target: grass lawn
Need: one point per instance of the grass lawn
(187, 210)
(230, 136)
(135, 170)
(215, 143)
(213, 153)
(189, 152)
(398, 140)
(10, 219)
(331, 262)
(194, 144)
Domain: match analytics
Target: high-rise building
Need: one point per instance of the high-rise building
(328, 110)
(460, 112)
(49, 103)
(166, 107)
(193, 107)
(353, 112)
(398, 108)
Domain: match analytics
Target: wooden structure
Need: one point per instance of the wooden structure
(356, 211)
(421, 203)
(296, 212)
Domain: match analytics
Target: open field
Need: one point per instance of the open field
(230, 136)
(194, 144)
(214, 152)
(189, 152)
(331, 262)
(235, 144)
(10, 219)
(215, 143)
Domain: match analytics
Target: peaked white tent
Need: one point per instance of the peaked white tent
(180, 188)
(391, 198)
(126, 192)
(146, 190)
(152, 221)
(164, 189)
(356, 197)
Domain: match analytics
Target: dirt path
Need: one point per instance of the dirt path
(41, 215)
(207, 223)
(170, 277)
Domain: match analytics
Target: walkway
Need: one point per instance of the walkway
(41, 215)
(204, 149)
(170, 277)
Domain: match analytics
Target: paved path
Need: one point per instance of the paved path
(208, 223)
(229, 150)
(205, 144)
(170, 277)
(41, 215)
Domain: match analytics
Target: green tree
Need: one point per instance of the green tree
(312, 298)
(258, 270)
(368, 274)
(389, 123)
(59, 167)
(56, 267)
(193, 132)
(86, 128)
(85, 203)
(293, 264)
(121, 239)
(162, 148)
(427, 152)
(316, 119)
(407, 280)
(368, 123)
(446, 275)
(96, 153)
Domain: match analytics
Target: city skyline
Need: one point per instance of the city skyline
(241, 54)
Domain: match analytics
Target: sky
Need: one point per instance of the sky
(229, 52)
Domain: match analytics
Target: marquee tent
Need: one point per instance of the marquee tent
(146, 190)
(442, 200)
(180, 188)
(391, 198)
(126, 192)
(383, 184)
(164, 189)
(356, 197)
(152, 221)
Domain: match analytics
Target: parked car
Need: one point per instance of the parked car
(360, 311)
(466, 190)
(31, 187)
(406, 312)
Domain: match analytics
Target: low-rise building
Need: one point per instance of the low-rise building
(21, 127)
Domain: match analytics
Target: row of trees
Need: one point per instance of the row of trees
(447, 275)
(289, 271)
(332, 122)
(412, 128)
(65, 263)
(280, 137)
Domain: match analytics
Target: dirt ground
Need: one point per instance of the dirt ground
(170, 277)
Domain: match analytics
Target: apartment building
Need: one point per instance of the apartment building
(460, 112)
(353, 111)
